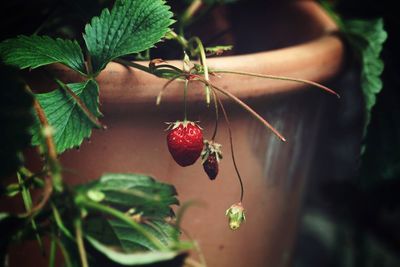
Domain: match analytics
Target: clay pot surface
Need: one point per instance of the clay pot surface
(274, 172)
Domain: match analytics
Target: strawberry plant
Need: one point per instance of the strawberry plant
(120, 218)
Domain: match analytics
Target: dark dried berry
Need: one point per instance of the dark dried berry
(210, 166)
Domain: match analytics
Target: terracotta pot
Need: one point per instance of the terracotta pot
(274, 172)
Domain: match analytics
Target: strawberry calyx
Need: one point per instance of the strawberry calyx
(211, 148)
(184, 123)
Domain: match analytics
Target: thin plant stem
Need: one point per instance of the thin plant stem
(247, 108)
(216, 116)
(232, 148)
(179, 38)
(190, 11)
(51, 148)
(27, 199)
(47, 191)
(59, 222)
(53, 246)
(80, 243)
(185, 100)
(148, 69)
(65, 254)
(54, 165)
(281, 78)
(159, 96)
(93, 119)
(89, 66)
(31, 178)
(203, 61)
(133, 65)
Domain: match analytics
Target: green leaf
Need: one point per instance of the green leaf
(16, 117)
(142, 199)
(132, 259)
(130, 240)
(130, 27)
(368, 37)
(119, 234)
(35, 51)
(138, 194)
(70, 123)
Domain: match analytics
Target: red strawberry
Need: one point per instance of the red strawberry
(185, 142)
(211, 156)
(210, 166)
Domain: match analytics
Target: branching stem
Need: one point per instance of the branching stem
(27, 199)
(54, 164)
(246, 107)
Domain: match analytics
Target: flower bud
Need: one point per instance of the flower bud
(236, 215)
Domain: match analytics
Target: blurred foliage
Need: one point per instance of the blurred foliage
(357, 224)
(367, 38)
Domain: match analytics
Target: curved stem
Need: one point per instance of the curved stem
(281, 78)
(54, 164)
(216, 116)
(59, 222)
(65, 254)
(133, 65)
(232, 149)
(179, 38)
(51, 148)
(81, 245)
(246, 107)
(205, 67)
(168, 66)
(190, 11)
(159, 96)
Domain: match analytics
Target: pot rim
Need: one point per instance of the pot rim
(317, 60)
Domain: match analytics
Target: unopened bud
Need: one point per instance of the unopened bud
(236, 215)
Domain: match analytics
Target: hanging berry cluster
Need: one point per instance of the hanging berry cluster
(185, 138)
